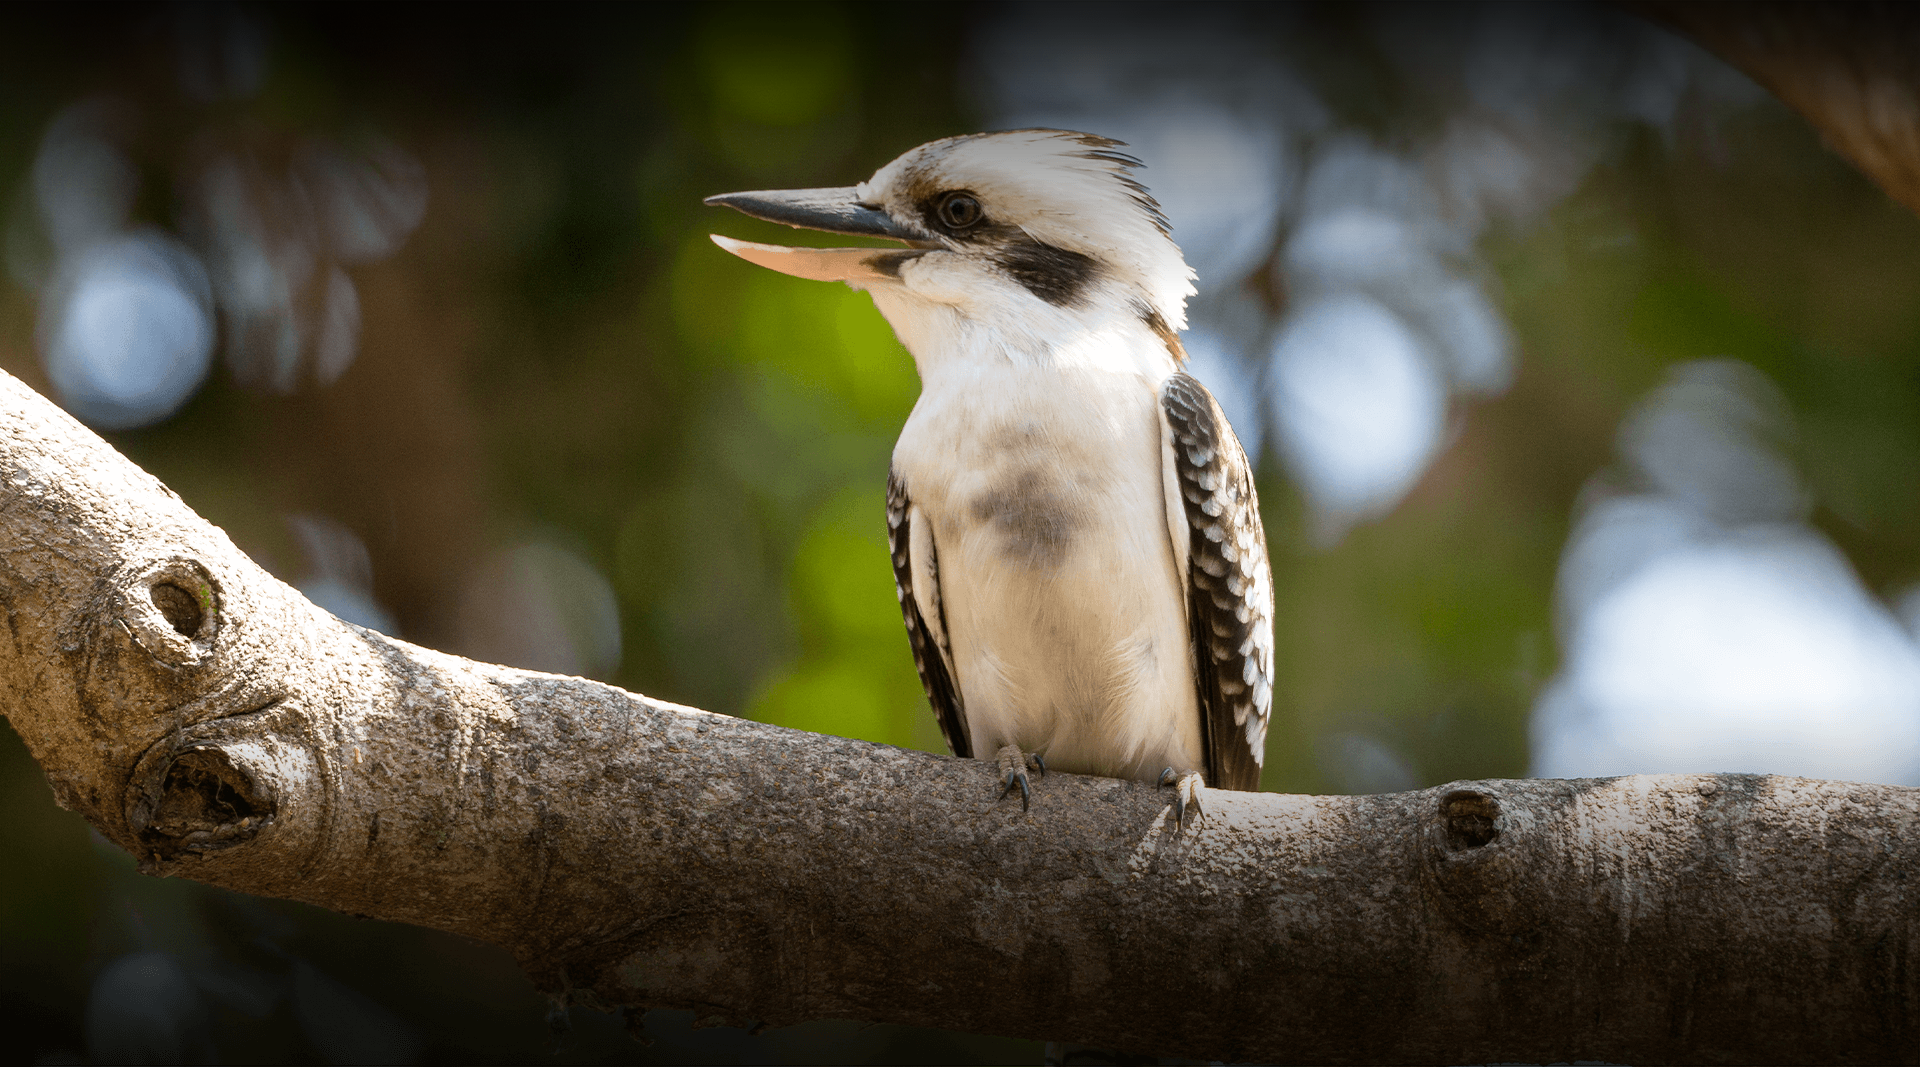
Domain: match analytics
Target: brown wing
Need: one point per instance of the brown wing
(1229, 584)
(931, 654)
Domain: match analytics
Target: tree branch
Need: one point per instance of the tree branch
(210, 720)
(1852, 70)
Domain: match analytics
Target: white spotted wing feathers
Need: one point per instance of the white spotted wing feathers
(1230, 601)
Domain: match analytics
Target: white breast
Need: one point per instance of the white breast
(1064, 608)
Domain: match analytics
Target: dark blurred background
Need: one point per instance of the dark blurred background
(1583, 381)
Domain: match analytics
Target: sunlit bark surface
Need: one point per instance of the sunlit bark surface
(207, 718)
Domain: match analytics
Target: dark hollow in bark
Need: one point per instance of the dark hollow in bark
(210, 720)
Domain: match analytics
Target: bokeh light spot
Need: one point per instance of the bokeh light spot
(127, 331)
(1357, 407)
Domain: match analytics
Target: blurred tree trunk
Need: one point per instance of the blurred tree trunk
(208, 719)
(1851, 69)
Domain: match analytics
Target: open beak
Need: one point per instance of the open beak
(828, 210)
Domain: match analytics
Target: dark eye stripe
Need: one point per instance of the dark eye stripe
(1056, 275)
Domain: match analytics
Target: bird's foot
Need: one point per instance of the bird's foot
(1186, 793)
(1014, 765)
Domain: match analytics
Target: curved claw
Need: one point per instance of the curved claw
(1019, 777)
(1186, 791)
(1013, 772)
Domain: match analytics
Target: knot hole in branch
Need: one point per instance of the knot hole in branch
(180, 608)
(172, 610)
(1469, 818)
(204, 803)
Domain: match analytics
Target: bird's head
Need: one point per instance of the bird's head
(998, 226)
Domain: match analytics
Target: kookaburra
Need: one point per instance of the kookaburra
(1076, 541)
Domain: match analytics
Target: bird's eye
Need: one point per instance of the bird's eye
(960, 210)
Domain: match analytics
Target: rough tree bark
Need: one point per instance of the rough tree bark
(210, 720)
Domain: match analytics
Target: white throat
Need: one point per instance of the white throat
(1018, 331)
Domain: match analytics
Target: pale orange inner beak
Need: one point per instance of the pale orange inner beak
(855, 266)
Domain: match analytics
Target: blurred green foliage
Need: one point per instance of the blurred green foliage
(561, 352)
